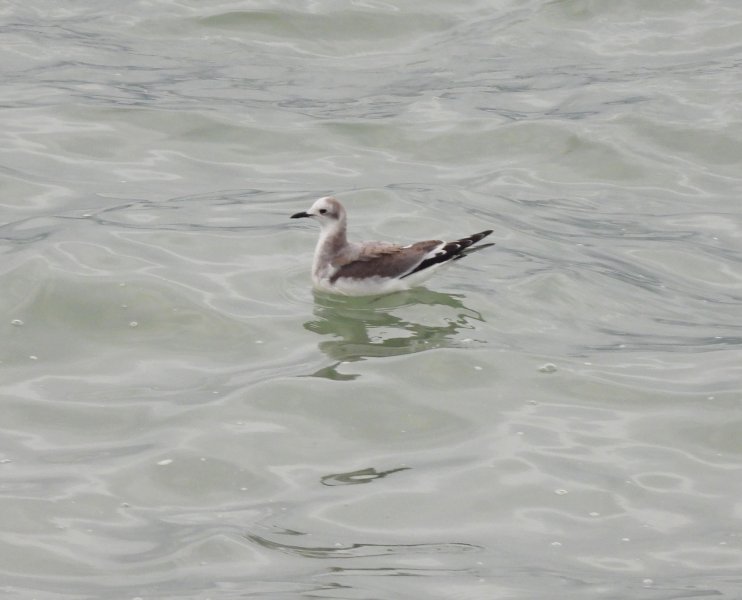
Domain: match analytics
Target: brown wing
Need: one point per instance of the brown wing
(385, 260)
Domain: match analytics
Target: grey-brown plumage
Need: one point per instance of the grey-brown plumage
(374, 267)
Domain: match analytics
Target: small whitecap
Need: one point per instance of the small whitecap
(164, 463)
(556, 544)
(594, 514)
(17, 323)
(477, 368)
(561, 492)
(33, 357)
(647, 581)
(548, 368)
(133, 324)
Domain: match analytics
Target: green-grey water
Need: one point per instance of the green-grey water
(559, 416)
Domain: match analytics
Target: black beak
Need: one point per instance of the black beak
(300, 215)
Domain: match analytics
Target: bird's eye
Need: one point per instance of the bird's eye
(322, 211)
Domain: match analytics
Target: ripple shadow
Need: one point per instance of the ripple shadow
(360, 550)
(360, 476)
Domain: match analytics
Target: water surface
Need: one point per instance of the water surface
(557, 416)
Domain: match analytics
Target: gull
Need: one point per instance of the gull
(365, 268)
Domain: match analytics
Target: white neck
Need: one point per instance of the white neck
(332, 239)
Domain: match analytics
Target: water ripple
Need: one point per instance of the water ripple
(184, 417)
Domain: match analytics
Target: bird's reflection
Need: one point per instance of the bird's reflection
(368, 327)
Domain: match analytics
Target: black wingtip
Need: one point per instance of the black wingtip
(479, 236)
(472, 249)
(472, 239)
(453, 251)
